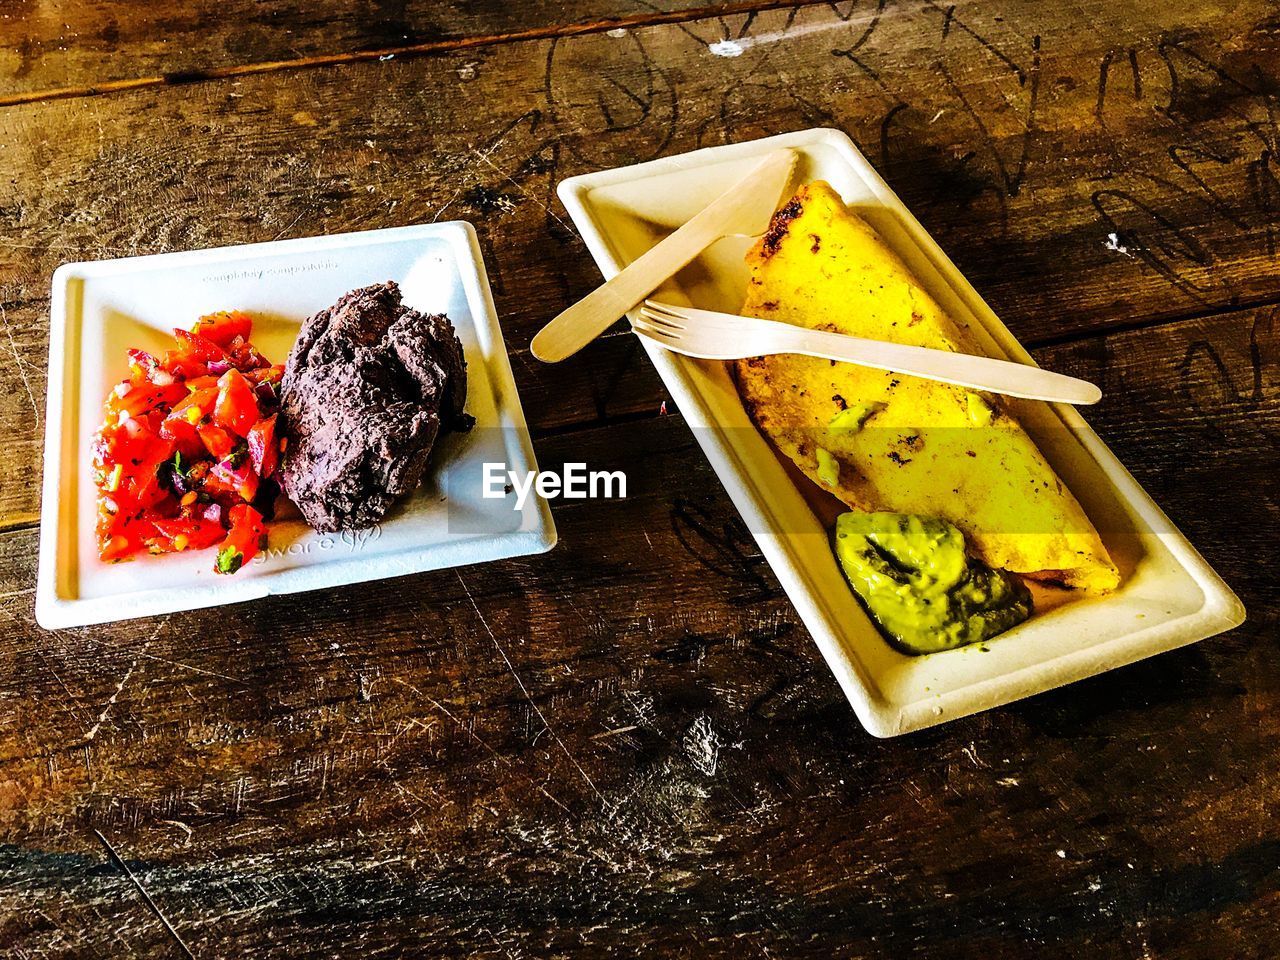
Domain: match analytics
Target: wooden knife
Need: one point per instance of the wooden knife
(745, 209)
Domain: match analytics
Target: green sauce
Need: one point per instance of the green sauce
(853, 418)
(915, 579)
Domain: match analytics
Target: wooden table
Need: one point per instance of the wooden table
(630, 744)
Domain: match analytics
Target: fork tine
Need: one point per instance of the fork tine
(703, 321)
(658, 306)
(661, 319)
(643, 322)
(665, 312)
(665, 334)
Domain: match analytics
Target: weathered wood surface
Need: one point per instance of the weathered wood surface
(630, 744)
(537, 760)
(1027, 201)
(69, 47)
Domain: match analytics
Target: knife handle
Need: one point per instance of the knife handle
(738, 211)
(593, 314)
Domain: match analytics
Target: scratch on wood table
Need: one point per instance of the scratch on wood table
(92, 732)
(21, 367)
(525, 690)
(142, 891)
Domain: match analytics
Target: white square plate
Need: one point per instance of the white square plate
(1169, 596)
(101, 309)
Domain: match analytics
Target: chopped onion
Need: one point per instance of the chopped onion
(123, 388)
(162, 378)
(213, 512)
(218, 367)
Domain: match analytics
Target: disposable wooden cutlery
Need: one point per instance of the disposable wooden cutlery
(744, 210)
(709, 335)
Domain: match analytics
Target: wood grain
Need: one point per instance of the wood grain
(1026, 201)
(629, 745)
(71, 47)
(526, 764)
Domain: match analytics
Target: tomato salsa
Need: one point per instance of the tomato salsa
(187, 452)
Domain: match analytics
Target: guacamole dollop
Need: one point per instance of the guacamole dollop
(921, 587)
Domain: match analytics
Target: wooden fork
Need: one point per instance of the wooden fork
(724, 336)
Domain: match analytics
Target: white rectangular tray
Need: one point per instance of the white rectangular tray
(100, 309)
(1169, 596)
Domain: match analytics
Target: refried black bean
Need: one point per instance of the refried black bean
(368, 389)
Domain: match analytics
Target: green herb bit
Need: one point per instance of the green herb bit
(229, 560)
(854, 418)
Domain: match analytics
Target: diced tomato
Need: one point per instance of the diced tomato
(271, 374)
(125, 538)
(247, 536)
(184, 433)
(113, 544)
(201, 400)
(192, 346)
(264, 450)
(142, 397)
(182, 423)
(125, 443)
(237, 407)
(224, 326)
(219, 442)
(172, 470)
(206, 533)
(232, 482)
(185, 437)
(107, 444)
(143, 482)
(183, 365)
(202, 382)
(116, 546)
(245, 357)
(141, 363)
(183, 533)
